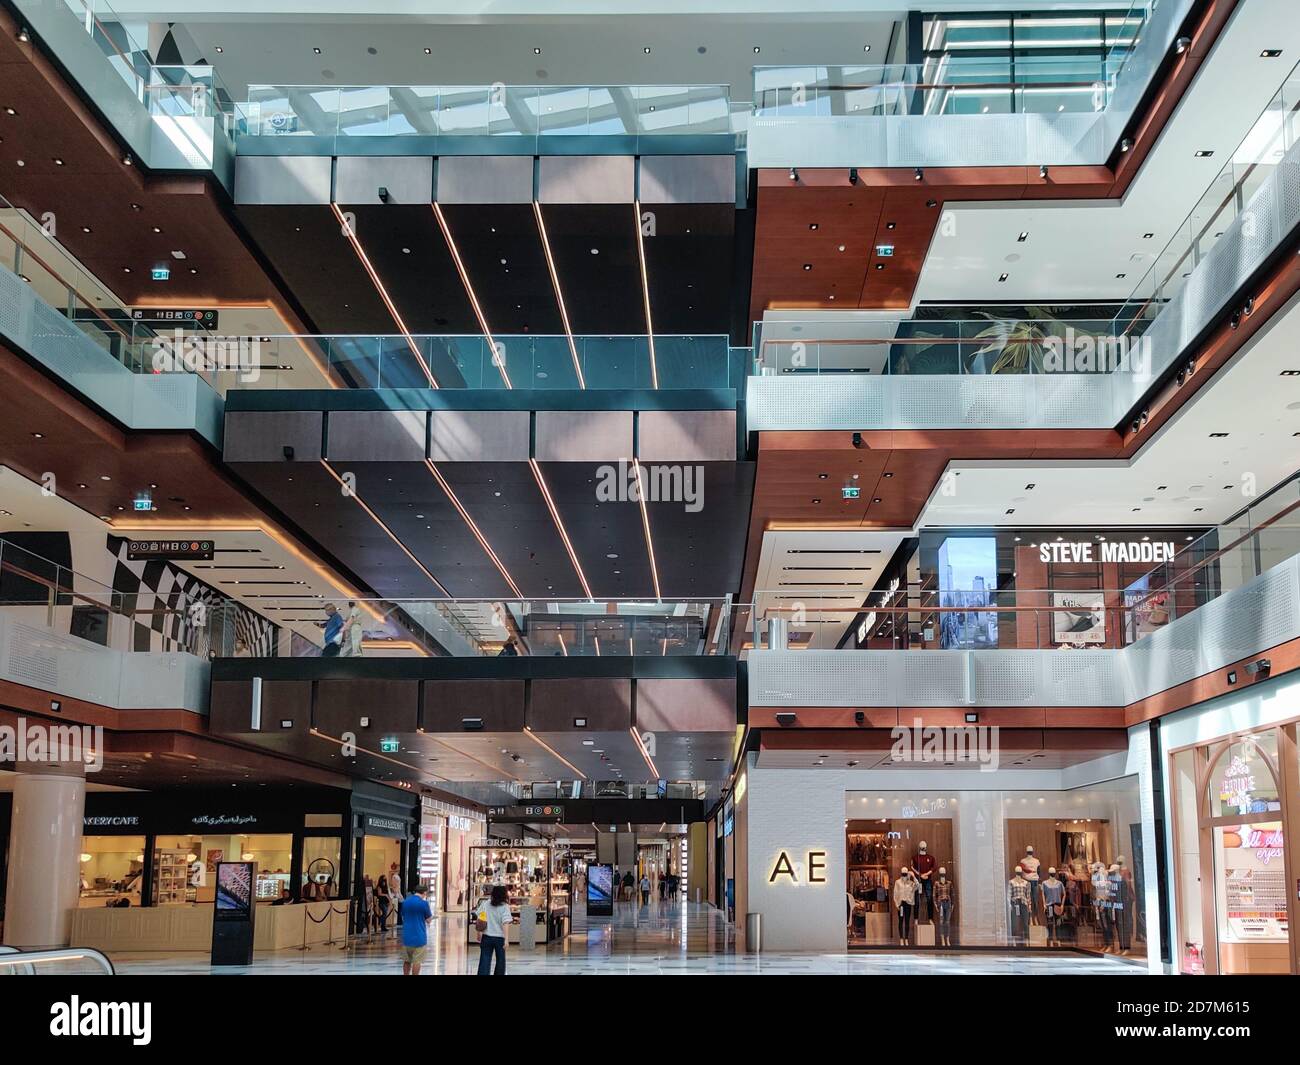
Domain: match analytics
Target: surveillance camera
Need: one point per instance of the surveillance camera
(1260, 667)
(383, 193)
(857, 440)
(853, 175)
(785, 719)
(859, 718)
(472, 724)
(288, 453)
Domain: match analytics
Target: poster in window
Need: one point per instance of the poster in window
(1079, 618)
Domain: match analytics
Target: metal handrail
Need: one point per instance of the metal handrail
(24, 962)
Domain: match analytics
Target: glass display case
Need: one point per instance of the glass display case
(537, 880)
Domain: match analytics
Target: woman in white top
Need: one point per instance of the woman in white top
(493, 916)
(352, 632)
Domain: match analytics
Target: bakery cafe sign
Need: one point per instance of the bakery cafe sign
(1150, 551)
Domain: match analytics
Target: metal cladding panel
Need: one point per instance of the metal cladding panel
(586, 179)
(479, 436)
(407, 179)
(584, 436)
(484, 179)
(681, 705)
(265, 179)
(262, 436)
(687, 436)
(392, 707)
(376, 436)
(687, 179)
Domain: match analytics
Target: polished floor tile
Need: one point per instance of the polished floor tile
(659, 939)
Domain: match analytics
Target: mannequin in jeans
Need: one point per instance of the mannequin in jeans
(1019, 901)
(943, 908)
(905, 891)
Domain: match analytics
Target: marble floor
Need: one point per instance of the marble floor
(662, 938)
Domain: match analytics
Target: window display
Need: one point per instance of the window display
(185, 867)
(972, 869)
(112, 870)
(534, 877)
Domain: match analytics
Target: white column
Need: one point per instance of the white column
(44, 880)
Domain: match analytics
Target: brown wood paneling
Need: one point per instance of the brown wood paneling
(606, 703)
(445, 703)
(684, 705)
(391, 705)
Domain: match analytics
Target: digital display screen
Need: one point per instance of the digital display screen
(600, 890)
(234, 897)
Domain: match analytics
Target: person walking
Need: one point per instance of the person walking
(645, 890)
(629, 882)
(333, 632)
(352, 633)
(493, 916)
(416, 916)
(395, 892)
(384, 902)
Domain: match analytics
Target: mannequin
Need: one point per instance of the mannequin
(1101, 905)
(1029, 863)
(923, 864)
(943, 899)
(906, 888)
(1019, 900)
(1120, 908)
(1053, 906)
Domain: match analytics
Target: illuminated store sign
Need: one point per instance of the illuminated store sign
(1107, 551)
(785, 868)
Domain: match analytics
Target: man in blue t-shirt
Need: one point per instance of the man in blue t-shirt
(333, 631)
(415, 933)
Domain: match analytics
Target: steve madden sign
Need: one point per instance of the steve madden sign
(1151, 551)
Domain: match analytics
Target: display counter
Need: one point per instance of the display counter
(535, 886)
(182, 928)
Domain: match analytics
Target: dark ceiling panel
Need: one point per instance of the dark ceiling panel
(602, 291)
(405, 245)
(306, 246)
(501, 249)
(307, 494)
(702, 553)
(688, 262)
(408, 499)
(598, 530)
(508, 507)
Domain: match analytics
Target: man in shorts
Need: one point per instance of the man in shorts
(415, 932)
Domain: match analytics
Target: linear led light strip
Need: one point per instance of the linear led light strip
(645, 292)
(383, 292)
(555, 516)
(645, 522)
(380, 522)
(640, 746)
(541, 742)
(375, 754)
(469, 291)
(442, 483)
(559, 295)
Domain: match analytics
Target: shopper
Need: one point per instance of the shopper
(416, 916)
(395, 891)
(383, 902)
(333, 632)
(645, 890)
(629, 882)
(493, 916)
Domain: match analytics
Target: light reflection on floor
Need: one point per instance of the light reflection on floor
(662, 938)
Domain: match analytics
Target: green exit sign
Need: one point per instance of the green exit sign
(390, 746)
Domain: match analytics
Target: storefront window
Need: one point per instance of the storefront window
(1187, 863)
(1060, 870)
(320, 867)
(112, 870)
(1250, 898)
(1242, 781)
(185, 867)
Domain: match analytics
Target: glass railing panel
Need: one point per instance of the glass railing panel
(551, 364)
(692, 361)
(466, 110)
(616, 362)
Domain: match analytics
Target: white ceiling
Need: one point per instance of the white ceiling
(575, 49)
(1076, 248)
(1206, 480)
(824, 572)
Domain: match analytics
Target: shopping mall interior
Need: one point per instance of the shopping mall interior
(748, 405)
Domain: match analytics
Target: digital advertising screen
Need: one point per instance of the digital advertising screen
(234, 897)
(600, 890)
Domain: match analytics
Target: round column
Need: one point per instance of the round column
(44, 881)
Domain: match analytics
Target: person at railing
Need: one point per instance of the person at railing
(333, 631)
(350, 641)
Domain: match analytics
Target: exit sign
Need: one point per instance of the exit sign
(851, 491)
(390, 746)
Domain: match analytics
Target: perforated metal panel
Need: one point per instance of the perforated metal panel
(932, 678)
(33, 657)
(1083, 678)
(819, 678)
(1009, 679)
